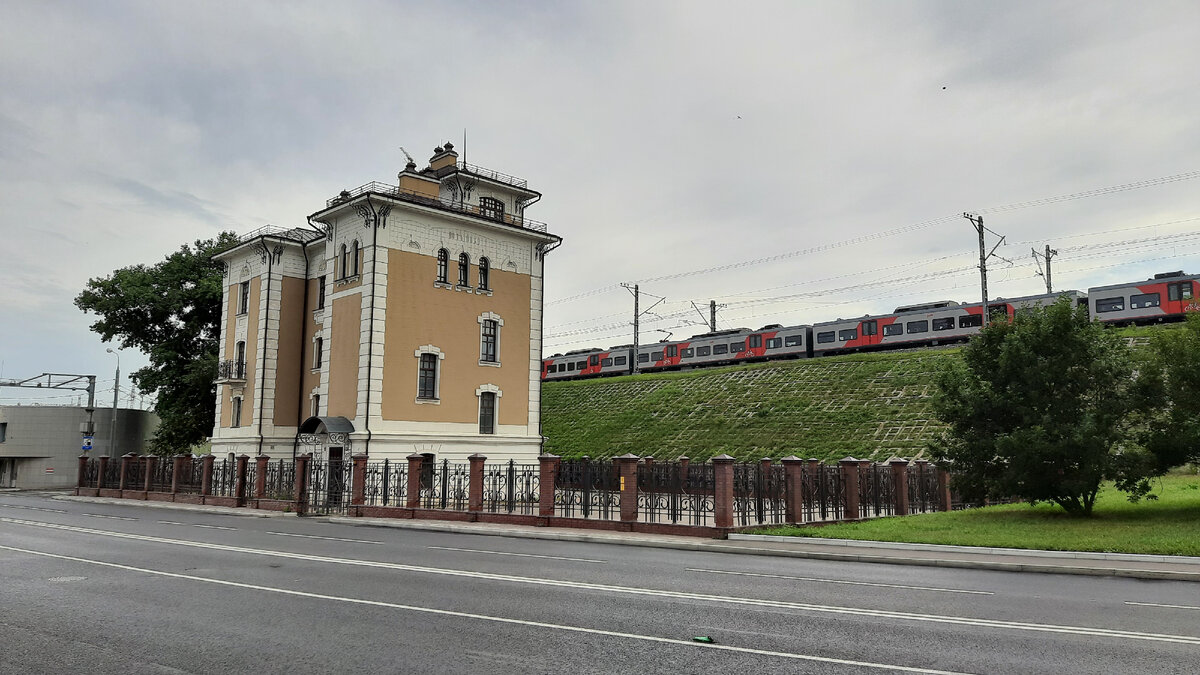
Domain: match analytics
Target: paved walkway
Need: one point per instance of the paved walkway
(1178, 568)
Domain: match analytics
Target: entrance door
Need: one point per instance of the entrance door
(336, 479)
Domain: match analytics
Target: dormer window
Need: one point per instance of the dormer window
(443, 264)
(490, 207)
(464, 270)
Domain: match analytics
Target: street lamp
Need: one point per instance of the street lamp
(112, 427)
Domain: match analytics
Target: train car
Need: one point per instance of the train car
(587, 363)
(935, 323)
(728, 346)
(1166, 297)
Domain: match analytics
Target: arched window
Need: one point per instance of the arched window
(343, 261)
(443, 263)
(354, 260)
(484, 267)
(464, 269)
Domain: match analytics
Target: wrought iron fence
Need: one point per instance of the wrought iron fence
(91, 471)
(511, 488)
(224, 477)
(676, 493)
(445, 486)
(281, 480)
(876, 490)
(922, 488)
(162, 476)
(249, 487)
(587, 488)
(329, 486)
(191, 476)
(386, 484)
(823, 492)
(135, 474)
(758, 494)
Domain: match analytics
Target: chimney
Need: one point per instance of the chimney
(443, 156)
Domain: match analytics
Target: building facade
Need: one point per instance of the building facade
(405, 318)
(40, 444)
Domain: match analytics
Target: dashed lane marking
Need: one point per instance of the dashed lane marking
(841, 581)
(101, 515)
(1155, 604)
(519, 555)
(313, 536)
(214, 527)
(32, 508)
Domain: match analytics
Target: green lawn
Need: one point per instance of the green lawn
(1169, 525)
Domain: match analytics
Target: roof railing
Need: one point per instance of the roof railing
(375, 187)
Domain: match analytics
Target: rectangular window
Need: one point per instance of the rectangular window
(848, 334)
(487, 341)
(318, 352)
(643, 358)
(551, 368)
(720, 349)
(3, 431)
(774, 343)
(605, 363)
(594, 360)
(487, 413)
(969, 321)
(946, 323)
(870, 327)
(580, 365)
(656, 356)
(239, 366)
(893, 329)
(1144, 301)
(672, 351)
(321, 292)
(737, 347)
(826, 337)
(491, 208)
(689, 352)
(427, 377)
(316, 405)
(570, 366)
(620, 361)
(917, 327)
(755, 341)
(703, 351)
(244, 297)
(1110, 305)
(236, 415)
(793, 341)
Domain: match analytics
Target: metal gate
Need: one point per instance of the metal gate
(329, 486)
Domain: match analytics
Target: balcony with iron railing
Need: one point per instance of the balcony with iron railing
(230, 370)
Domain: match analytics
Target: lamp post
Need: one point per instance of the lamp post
(112, 427)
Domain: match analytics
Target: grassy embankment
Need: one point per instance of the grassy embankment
(1169, 525)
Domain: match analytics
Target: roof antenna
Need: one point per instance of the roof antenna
(464, 145)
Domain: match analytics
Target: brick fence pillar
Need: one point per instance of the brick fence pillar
(206, 472)
(849, 467)
(126, 461)
(793, 488)
(684, 461)
(547, 472)
(150, 466)
(943, 479)
(415, 462)
(723, 490)
(475, 482)
(627, 470)
(300, 489)
(79, 476)
(358, 480)
(900, 485)
(239, 487)
(260, 476)
(176, 472)
(101, 469)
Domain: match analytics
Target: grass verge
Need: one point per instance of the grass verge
(1169, 525)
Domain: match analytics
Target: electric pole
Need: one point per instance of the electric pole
(984, 254)
(637, 315)
(1050, 253)
(712, 314)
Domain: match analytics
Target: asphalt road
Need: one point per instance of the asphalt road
(132, 589)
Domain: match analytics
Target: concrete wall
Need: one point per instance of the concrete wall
(42, 443)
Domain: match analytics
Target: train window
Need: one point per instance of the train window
(825, 337)
(595, 359)
(969, 321)
(720, 349)
(688, 352)
(606, 363)
(703, 351)
(643, 358)
(571, 366)
(870, 327)
(620, 361)
(581, 365)
(735, 347)
(848, 334)
(917, 327)
(551, 368)
(774, 343)
(946, 323)
(672, 351)
(755, 341)
(793, 340)
(656, 356)
(1143, 301)
(893, 329)
(1110, 305)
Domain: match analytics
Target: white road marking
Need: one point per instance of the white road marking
(496, 619)
(168, 522)
(214, 527)
(313, 536)
(33, 508)
(840, 581)
(631, 590)
(520, 555)
(1155, 604)
(100, 515)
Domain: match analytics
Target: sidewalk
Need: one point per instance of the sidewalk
(1177, 568)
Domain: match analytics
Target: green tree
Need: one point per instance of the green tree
(171, 312)
(1038, 409)
(1169, 383)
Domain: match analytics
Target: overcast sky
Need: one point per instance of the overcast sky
(819, 154)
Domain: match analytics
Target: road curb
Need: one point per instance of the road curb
(240, 511)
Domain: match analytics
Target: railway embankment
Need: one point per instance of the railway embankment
(870, 406)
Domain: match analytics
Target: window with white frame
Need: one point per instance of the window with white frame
(443, 264)
(344, 261)
(321, 292)
(484, 273)
(318, 352)
(464, 270)
(316, 405)
(354, 259)
(235, 415)
(489, 397)
(244, 297)
(489, 338)
(429, 364)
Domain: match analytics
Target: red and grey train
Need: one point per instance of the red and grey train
(1166, 297)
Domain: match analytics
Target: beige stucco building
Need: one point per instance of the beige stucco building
(402, 319)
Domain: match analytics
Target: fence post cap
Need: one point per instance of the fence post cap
(547, 455)
(791, 458)
(361, 455)
(627, 457)
(847, 459)
(415, 455)
(683, 458)
(477, 457)
(130, 454)
(897, 461)
(723, 458)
